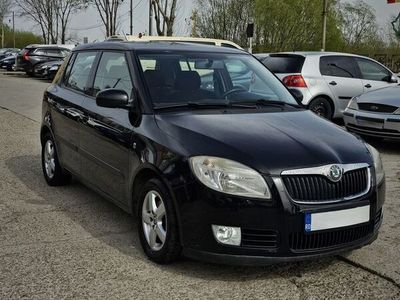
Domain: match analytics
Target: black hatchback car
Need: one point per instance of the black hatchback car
(212, 168)
(33, 55)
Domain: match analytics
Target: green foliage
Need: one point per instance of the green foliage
(294, 25)
(22, 38)
(288, 25)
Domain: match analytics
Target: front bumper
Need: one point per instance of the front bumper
(372, 124)
(272, 231)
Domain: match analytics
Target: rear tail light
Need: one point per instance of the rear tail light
(294, 81)
(26, 56)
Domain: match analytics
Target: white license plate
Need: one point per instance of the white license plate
(336, 219)
(372, 124)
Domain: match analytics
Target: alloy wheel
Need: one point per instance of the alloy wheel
(49, 159)
(154, 220)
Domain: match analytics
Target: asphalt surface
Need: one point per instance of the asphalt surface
(68, 242)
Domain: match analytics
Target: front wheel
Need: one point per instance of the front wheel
(158, 226)
(52, 170)
(321, 107)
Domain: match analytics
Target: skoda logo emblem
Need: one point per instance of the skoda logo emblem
(335, 173)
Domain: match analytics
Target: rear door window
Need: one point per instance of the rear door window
(339, 66)
(113, 72)
(77, 78)
(281, 64)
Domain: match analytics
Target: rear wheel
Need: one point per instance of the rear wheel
(158, 226)
(52, 171)
(321, 107)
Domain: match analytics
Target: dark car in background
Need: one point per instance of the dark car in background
(32, 55)
(6, 52)
(223, 172)
(8, 62)
(48, 69)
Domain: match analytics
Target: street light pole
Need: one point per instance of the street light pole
(131, 18)
(324, 18)
(150, 18)
(13, 23)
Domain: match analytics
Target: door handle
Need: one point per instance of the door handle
(333, 83)
(368, 86)
(75, 113)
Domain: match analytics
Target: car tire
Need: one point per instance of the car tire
(322, 107)
(54, 174)
(157, 223)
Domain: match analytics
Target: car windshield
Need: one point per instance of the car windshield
(212, 78)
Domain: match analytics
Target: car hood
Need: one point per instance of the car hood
(267, 142)
(388, 96)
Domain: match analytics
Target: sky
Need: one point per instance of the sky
(88, 23)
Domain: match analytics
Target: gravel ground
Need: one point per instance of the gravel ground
(69, 242)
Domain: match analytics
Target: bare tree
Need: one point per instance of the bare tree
(52, 16)
(359, 26)
(64, 10)
(165, 16)
(108, 10)
(222, 19)
(5, 6)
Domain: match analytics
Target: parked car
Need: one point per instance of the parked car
(375, 114)
(47, 69)
(219, 173)
(329, 80)
(8, 63)
(32, 55)
(4, 53)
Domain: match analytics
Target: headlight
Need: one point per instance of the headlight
(230, 177)
(380, 173)
(353, 104)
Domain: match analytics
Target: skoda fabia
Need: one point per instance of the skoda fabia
(214, 157)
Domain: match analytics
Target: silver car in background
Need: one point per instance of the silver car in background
(375, 114)
(328, 80)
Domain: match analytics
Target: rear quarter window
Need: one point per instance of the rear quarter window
(284, 63)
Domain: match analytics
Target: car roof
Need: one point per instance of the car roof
(315, 53)
(48, 46)
(157, 46)
(146, 38)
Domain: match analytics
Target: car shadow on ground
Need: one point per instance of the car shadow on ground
(111, 225)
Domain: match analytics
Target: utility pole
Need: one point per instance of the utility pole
(324, 18)
(131, 18)
(150, 18)
(13, 24)
(2, 33)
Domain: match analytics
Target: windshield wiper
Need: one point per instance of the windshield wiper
(203, 105)
(266, 102)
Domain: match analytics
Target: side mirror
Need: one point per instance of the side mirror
(297, 94)
(112, 98)
(394, 79)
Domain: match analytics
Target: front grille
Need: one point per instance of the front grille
(379, 108)
(318, 188)
(259, 238)
(300, 241)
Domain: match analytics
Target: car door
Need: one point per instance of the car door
(342, 75)
(66, 108)
(374, 76)
(107, 133)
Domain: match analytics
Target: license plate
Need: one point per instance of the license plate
(372, 124)
(336, 219)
